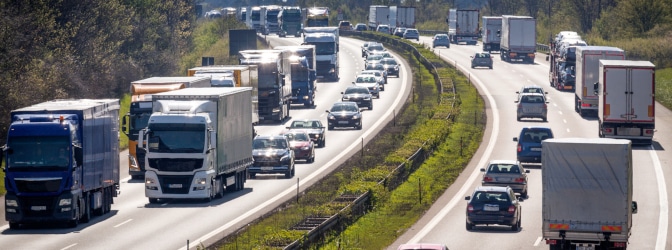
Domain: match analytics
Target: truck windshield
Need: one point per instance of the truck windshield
(324, 48)
(255, 16)
(37, 153)
(176, 138)
(299, 73)
(292, 17)
(139, 121)
(267, 75)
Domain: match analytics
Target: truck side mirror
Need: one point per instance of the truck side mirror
(2, 155)
(212, 140)
(124, 124)
(634, 207)
(79, 155)
(141, 139)
(596, 88)
(312, 76)
(499, 33)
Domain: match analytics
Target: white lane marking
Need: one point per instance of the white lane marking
(536, 243)
(463, 190)
(120, 224)
(568, 130)
(563, 120)
(661, 238)
(302, 182)
(70, 246)
(560, 112)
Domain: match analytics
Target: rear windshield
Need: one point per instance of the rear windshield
(536, 135)
(491, 197)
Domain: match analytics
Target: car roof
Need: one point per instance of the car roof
(422, 246)
(504, 162)
(492, 189)
(536, 127)
(269, 137)
(305, 120)
(345, 103)
(531, 94)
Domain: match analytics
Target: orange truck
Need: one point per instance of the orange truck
(141, 109)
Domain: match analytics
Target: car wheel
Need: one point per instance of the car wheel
(312, 158)
(330, 128)
(14, 225)
(518, 118)
(153, 200)
(253, 175)
(359, 127)
(544, 119)
(323, 143)
(524, 194)
(472, 66)
(469, 226)
(371, 106)
(516, 226)
(490, 67)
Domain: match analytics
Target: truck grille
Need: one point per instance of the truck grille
(176, 165)
(27, 203)
(175, 184)
(42, 186)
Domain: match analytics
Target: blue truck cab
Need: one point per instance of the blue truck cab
(61, 161)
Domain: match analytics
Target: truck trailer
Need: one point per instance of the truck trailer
(62, 161)
(401, 16)
(518, 38)
(627, 103)
(378, 14)
(587, 193)
(492, 27)
(274, 94)
(290, 21)
(141, 108)
(587, 74)
(198, 143)
(466, 26)
(302, 63)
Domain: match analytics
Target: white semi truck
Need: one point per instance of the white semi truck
(625, 92)
(587, 193)
(326, 53)
(198, 143)
(587, 71)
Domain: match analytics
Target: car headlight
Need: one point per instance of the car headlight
(65, 202)
(305, 148)
(355, 117)
(286, 157)
(11, 203)
(345, 98)
(367, 98)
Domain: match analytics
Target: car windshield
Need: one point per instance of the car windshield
(374, 58)
(375, 73)
(376, 66)
(360, 90)
(498, 197)
(501, 168)
(305, 124)
(536, 135)
(376, 47)
(344, 107)
(297, 137)
(389, 61)
(365, 79)
(269, 143)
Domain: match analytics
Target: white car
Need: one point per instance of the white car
(370, 82)
(380, 75)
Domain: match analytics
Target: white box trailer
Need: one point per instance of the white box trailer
(378, 14)
(401, 17)
(626, 95)
(587, 71)
(587, 193)
(518, 38)
(492, 27)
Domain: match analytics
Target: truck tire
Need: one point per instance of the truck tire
(86, 217)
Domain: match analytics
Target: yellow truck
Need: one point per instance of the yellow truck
(141, 109)
(233, 76)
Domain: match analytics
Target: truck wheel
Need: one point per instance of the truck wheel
(86, 217)
(73, 223)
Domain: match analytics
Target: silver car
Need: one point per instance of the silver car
(532, 89)
(411, 34)
(441, 40)
(506, 173)
(532, 105)
(370, 82)
(380, 75)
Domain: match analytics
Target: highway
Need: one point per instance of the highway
(445, 221)
(134, 223)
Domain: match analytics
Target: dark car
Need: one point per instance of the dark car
(344, 25)
(360, 27)
(506, 173)
(529, 143)
(303, 146)
(493, 206)
(313, 127)
(272, 155)
(359, 95)
(531, 105)
(399, 31)
(391, 66)
(481, 60)
(344, 114)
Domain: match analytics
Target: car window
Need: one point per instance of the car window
(296, 137)
(482, 196)
(503, 168)
(532, 99)
(344, 107)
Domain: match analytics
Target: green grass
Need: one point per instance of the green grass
(664, 87)
(125, 103)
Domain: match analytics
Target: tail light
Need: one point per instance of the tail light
(520, 148)
(520, 105)
(520, 180)
(487, 179)
(470, 208)
(512, 209)
(551, 242)
(545, 106)
(648, 132)
(619, 244)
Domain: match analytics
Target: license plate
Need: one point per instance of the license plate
(266, 168)
(535, 149)
(38, 208)
(568, 87)
(342, 122)
(503, 179)
(489, 207)
(175, 185)
(590, 247)
(532, 111)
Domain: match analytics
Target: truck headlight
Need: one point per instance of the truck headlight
(201, 181)
(11, 203)
(65, 202)
(149, 181)
(276, 110)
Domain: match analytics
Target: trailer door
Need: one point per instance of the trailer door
(615, 97)
(641, 89)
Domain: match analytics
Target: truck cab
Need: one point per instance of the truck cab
(326, 50)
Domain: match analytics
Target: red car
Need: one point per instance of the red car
(301, 144)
